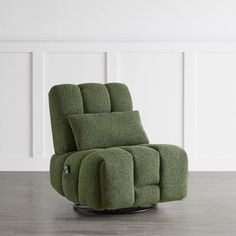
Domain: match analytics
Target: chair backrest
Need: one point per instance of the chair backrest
(68, 99)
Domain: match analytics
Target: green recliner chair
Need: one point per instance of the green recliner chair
(103, 161)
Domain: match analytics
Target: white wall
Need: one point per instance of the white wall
(184, 89)
(117, 19)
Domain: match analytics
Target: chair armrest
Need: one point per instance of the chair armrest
(56, 170)
(106, 179)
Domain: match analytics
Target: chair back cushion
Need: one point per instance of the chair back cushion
(69, 99)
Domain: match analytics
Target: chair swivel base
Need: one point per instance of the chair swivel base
(131, 210)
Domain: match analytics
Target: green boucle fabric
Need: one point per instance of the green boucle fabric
(70, 181)
(146, 165)
(68, 99)
(96, 98)
(122, 177)
(120, 97)
(106, 179)
(103, 130)
(173, 172)
(109, 177)
(56, 169)
(118, 175)
(64, 100)
(147, 195)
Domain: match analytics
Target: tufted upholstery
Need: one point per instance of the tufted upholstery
(85, 98)
(113, 177)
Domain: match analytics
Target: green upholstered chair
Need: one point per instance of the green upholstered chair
(102, 159)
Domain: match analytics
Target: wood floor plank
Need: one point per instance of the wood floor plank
(29, 206)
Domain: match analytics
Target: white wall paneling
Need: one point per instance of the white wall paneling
(156, 84)
(74, 68)
(16, 105)
(215, 106)
(39, 107)
(185, 91)
(166, 19)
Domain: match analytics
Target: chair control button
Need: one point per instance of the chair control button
(66, 169)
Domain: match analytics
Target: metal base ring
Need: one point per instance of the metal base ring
(131, 210)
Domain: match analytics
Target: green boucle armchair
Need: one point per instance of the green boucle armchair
(102, 159)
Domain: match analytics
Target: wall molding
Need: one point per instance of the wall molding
(113, 48)
(118, 39)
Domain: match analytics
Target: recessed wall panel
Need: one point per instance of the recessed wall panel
(156, 84)
(70, 68)
(215, 106)
(16, 105)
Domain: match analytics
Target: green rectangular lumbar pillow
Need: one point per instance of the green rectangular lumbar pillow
(103, 130)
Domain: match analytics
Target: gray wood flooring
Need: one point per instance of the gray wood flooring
(29, 206)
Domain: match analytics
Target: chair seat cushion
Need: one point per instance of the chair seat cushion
(121, 177)
(109, 178)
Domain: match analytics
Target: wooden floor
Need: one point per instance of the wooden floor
(29, 206)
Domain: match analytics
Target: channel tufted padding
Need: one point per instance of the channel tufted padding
(96, 98)
(106, 179)
(121, 177)
(70, 181)
(120, 97)
(173, 171)
(109, 178)
(147, 195)
(146, 165)
(113, 177)
(56, 170)
(64, 100)
(68, 99)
